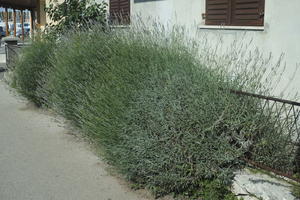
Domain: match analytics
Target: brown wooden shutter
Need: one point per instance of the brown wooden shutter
(248, 12)
(217, 12)
(119, 11)
(114, 9)
(125, 11)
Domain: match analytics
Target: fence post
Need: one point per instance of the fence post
(11, 43)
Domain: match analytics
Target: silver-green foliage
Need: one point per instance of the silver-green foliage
(31, 68)
(165, 117)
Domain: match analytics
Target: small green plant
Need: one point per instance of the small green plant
(31, 67)
(296, 191)
(214, 190)
(74, 14)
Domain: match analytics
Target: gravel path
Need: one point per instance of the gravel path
(40, 161)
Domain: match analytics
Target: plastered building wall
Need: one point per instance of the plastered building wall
(280, 34)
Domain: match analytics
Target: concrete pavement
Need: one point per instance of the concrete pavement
(40, 160)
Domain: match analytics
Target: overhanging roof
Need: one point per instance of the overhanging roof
(19, 4)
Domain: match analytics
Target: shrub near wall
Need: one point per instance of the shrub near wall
(159, 114)
(31, 67)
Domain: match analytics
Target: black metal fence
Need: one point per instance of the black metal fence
(281, 119)
(12, 52)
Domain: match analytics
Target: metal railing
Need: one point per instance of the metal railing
(12, 52)
(281, 118)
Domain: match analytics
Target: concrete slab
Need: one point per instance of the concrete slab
(253, 186)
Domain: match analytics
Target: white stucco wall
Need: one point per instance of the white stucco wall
(281, 33)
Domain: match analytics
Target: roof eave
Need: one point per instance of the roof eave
(19, 4)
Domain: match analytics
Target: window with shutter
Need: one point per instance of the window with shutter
(119, 11)
(217, 12)
(235, 12)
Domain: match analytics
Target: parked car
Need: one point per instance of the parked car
(26, 29)
(11, 27)
(2, 31)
